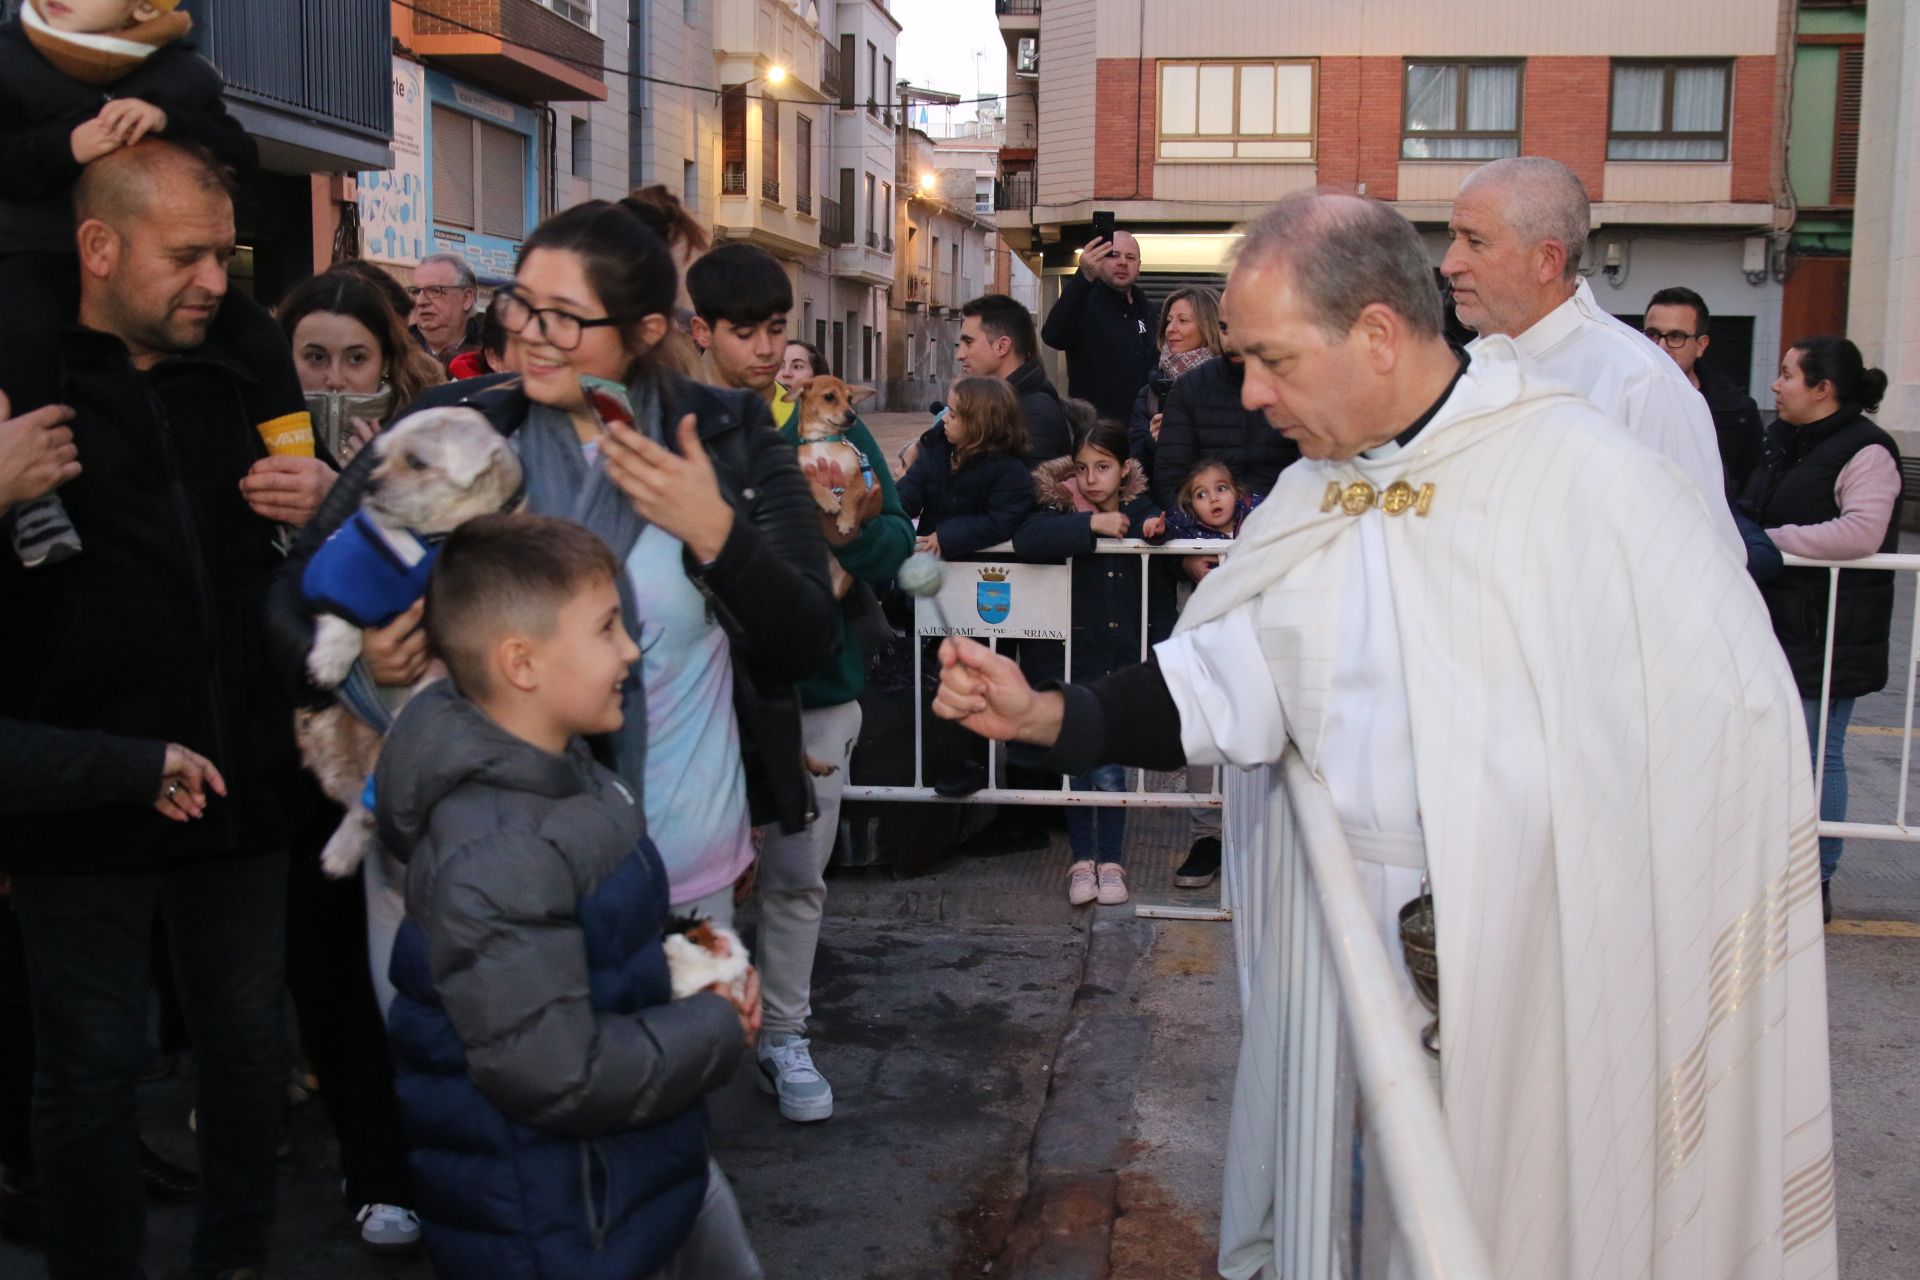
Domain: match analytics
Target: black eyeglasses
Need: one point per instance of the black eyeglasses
(434, 292)
(1671, 338)
(561, 329)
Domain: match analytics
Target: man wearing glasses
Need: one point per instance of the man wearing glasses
(1676, 322)
(443, 292)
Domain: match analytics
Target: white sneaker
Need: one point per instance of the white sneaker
(1080, 885)
(387, 1228)
(787, 1072)
(1113, 884)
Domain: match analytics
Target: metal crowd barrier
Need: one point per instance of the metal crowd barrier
(1354, 1073)
(960, 616)
(1898, 829)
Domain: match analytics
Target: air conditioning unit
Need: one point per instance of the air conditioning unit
(1026, 57)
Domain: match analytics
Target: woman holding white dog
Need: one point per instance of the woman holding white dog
(726, 580)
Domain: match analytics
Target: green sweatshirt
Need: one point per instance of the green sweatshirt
(874, 557)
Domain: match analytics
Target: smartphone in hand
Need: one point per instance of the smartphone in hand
(609, 400)
(1103, 225)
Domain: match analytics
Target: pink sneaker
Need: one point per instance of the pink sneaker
(1113, 884)
(1080, 884)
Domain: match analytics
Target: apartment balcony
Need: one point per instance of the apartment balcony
(750, 37)
(1017, 18)
(315, 87)
(831, 73)
(870, 259)
(521, 48)
(1013, 200)
(919, 290)
(749, 209)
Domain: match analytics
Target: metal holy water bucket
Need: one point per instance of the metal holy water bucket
(1420, 947)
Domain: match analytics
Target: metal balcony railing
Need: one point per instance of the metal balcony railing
(919, 288)
(803, 203)
(1023, 8)
(873, 239)
(886, 245)
(831, 71)
(1014, 192)
(733, 178)
(770, 189)
(325, 59)
(833, 224)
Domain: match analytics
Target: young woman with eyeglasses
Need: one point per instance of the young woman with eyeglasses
(725, 586)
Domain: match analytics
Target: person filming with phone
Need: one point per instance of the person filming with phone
(1104, 324)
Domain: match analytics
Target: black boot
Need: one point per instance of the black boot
(1826, 901)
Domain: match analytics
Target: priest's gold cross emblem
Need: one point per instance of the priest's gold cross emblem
(1396, 499)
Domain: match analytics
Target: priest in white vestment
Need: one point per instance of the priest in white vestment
(1516, 235)
(1509, 640)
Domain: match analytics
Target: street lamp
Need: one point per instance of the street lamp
(926, 183)
(776, 74)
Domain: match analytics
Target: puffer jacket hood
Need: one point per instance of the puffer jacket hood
(1056, 485)
(441, 742)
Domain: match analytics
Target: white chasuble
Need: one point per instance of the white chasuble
(1611, 771)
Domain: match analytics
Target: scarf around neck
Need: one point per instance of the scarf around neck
(561, 482)
(102, 57)
(1175, 365)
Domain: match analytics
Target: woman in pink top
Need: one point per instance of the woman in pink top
(1829, 489)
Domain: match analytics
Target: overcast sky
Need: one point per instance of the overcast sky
(938, 39)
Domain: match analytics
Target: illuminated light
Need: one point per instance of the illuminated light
(926, 182)
(776, 74)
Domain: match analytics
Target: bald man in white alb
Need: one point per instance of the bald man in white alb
(1516, 235)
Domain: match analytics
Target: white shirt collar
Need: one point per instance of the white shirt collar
(1579, 309)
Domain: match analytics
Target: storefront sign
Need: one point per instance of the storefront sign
(393, 202)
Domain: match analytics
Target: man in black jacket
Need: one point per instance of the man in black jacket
(996, 341)
(1106, 327)
(154, 633)
(1676, 322)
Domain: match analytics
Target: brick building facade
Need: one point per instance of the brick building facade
(1185, 121)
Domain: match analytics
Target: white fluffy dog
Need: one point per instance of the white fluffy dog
(435, 470)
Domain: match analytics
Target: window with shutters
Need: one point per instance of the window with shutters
(849, 74)
(1238, 111)
(1846, 124)
(770, 150)
(803, 164)
(733, 140)
(873, 223)
(479, 175)
(1669, 111)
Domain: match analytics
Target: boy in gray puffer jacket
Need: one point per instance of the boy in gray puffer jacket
(550, 1087)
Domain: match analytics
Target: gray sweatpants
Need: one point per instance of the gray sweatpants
(718, 1249)
(792, 881)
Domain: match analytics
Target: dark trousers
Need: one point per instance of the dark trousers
(16, 1049)
(88, 958)
(332, 989)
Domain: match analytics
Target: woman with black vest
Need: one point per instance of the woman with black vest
(1828, 488)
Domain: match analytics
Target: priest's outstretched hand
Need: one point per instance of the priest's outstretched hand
(986, 692)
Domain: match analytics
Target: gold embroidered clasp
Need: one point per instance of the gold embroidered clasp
(1358, 496)
(1400, 498)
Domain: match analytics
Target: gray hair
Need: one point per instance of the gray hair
(1545, 201)
(1345, 253)
(462, 270)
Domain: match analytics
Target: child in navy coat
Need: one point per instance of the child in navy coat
(969, 488)
(1098, 493)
